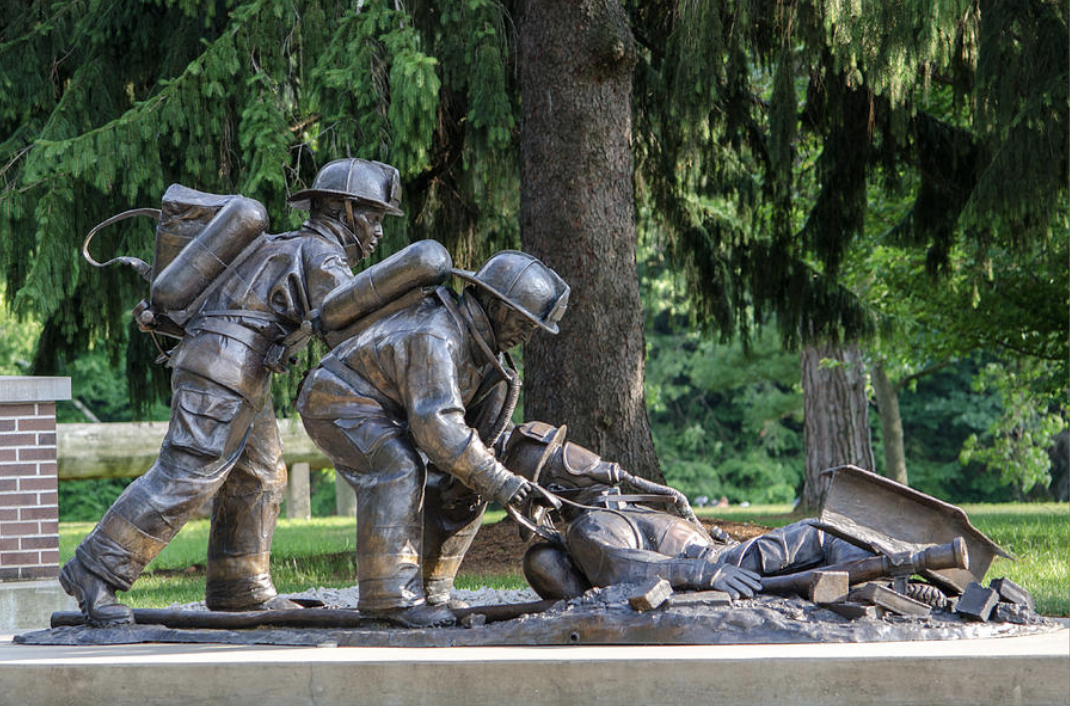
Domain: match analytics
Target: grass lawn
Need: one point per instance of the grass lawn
(319, 552)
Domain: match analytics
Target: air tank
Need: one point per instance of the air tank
(204, 257)
(424, 263)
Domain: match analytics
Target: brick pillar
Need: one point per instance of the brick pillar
(29, 509)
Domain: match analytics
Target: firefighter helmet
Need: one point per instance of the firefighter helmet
(525, 285)
(366, 182)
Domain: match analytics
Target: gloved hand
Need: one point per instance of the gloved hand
(513, 492)
(733, 580)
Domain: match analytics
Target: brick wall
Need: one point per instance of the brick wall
(29, 510)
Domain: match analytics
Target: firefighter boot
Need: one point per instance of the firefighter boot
(95, 596)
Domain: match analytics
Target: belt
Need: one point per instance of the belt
(249, 338)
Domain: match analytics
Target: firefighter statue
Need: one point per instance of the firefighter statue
(410, 407)
(238, 322)
(611, 538)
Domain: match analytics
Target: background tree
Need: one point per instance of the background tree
(577, 214)
(763, 126)
(761, 131)
(836, 416)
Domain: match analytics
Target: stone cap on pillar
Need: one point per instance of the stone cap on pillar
(18, 388)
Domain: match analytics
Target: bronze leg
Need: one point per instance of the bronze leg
(452, 516)
(206, 435)
(795, 547)
(388, 475)
(243, 521)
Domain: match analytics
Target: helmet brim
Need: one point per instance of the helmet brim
(549, 326)
(302, 200)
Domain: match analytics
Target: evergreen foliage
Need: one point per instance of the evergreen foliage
(771, 137)
(726, 421)
(768, 137)
(105, 103)
(761, 124)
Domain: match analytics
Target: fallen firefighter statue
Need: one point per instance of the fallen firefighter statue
(606, 538)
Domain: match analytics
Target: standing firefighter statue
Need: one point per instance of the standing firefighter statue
(242, 301)
(410, 408)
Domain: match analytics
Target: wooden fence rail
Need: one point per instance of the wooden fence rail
(126, 450)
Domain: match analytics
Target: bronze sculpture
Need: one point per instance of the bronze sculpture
(428, 377)
(609, 538)
(222, 441)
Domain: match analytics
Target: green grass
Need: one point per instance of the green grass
(319, 552)
(766, 515)
(1038, 536)
(316, 552)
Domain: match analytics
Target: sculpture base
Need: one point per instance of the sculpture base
(26, 605)
(601, 619)
(1029, 670)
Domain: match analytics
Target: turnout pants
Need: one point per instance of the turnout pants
(414, 522)
(219, 445)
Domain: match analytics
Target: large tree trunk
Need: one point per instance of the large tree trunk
(887, 394)
(577, 215)
(836, 424)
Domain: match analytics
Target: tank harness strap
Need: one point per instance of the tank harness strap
(510, 375)
(343, 372)
(234, 331)
(244, 313)
(337, 337)
(183, 317)
(464, 322)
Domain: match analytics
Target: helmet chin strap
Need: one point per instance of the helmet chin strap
(358, 246)
(349, 217)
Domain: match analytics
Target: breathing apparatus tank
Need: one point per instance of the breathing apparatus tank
(198, 237)
(425, 263)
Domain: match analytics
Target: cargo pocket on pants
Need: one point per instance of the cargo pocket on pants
(368, 435)
(202, 422)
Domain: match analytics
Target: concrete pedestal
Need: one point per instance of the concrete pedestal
(1024, 671)
(345, 500)
(28, 605)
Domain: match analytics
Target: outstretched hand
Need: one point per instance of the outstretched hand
(735, 581)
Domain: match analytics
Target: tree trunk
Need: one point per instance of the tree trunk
(1060, 466)
(836, 424)
(887, 394)
(577, 215)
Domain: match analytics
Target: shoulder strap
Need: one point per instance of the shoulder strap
(510, 375)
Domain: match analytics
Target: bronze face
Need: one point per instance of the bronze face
(367, 225)
(510, 328)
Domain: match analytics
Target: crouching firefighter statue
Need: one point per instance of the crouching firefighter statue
(409, 408)
(609, 538)
(242, 301)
